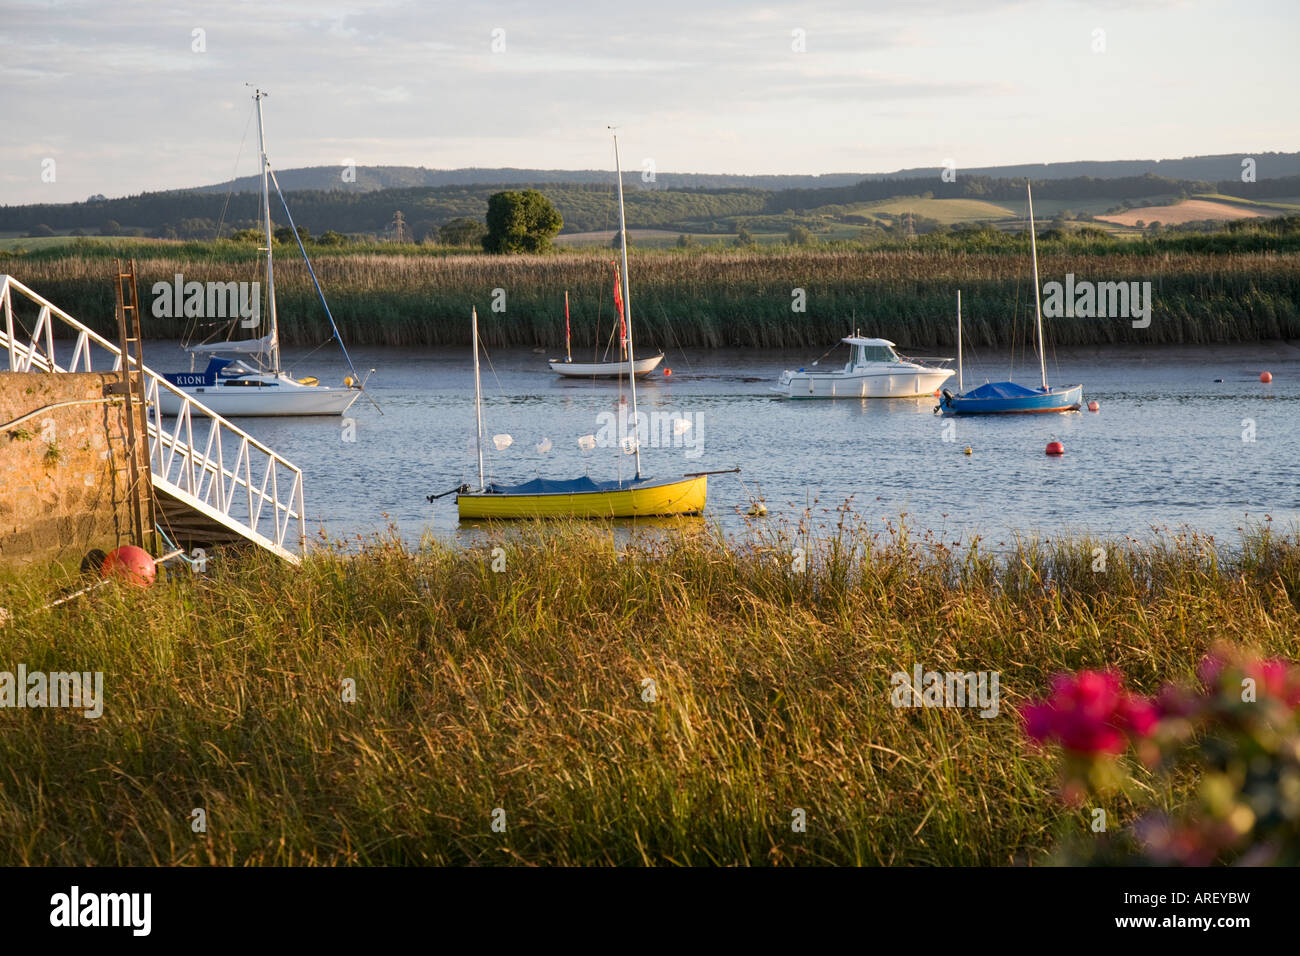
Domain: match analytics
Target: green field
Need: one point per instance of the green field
(947, 211)
(12, 243)
(1284, 206)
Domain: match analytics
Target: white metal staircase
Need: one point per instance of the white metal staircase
(214, 480)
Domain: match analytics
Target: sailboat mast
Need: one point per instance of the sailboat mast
(961, 389)
(478, 402)
(1038, 305)
(568, 342)
(627, 306)
(266, 217)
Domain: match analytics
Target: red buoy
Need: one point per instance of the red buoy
(1266, 377)
(1055, 448)
(1093, 406)
(668, 371)
(130, 565)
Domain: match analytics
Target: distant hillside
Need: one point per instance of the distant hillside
(893, 206)
(371, 178)
(1205, 168)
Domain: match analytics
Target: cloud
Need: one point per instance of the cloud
(126, 105)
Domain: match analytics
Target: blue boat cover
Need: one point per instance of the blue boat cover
(563, 486)
(207, 377)
(1002, 390)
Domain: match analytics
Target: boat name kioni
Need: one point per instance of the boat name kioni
(1098, 300)
(208, 300)
(75, 690)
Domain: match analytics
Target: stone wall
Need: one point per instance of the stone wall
(64, 481)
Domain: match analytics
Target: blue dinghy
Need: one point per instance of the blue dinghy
(1004, 398)
(1008, 398)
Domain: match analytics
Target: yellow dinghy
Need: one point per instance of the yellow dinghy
(637, 497)
(584, 498)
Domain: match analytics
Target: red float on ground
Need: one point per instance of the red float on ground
(130, 565)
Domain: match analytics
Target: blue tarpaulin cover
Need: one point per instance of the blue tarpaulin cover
(1002, 390)
(562, 486)
(207, 377)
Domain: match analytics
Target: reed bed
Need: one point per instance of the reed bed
(732, 298)
(524, 690)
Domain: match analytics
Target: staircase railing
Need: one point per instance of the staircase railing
(201, 458)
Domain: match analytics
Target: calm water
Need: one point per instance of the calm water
(1166, 449)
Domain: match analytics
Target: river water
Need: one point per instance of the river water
(1185, 436)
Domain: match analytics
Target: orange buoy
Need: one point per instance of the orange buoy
(936, 393)
(668, 371)
(1055, 448)
(1266, 377)
(1094, 407)
(130, 565)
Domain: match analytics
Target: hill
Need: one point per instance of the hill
(893, 206)
(372, 178)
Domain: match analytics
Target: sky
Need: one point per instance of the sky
(122, 97)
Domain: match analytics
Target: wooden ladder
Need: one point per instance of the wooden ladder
(140, 498)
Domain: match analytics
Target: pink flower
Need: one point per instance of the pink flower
(1210, 670)
(1222, 670)
(1175, 701)
(1277, 678)
(1089, 713)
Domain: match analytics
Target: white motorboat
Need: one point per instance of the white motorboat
(243, 377)
(874, 370)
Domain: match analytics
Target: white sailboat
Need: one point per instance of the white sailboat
(626, 364)
(640, 368)
(244, 377)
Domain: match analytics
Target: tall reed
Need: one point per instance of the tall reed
(729, 298)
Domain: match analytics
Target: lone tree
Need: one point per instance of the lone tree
(285, 234)
(462, 232)
(799, 236)
(520, 221)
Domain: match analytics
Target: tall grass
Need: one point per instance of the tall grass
(525, 690)
(714, 298)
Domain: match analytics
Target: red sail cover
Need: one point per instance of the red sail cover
(618, 304)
